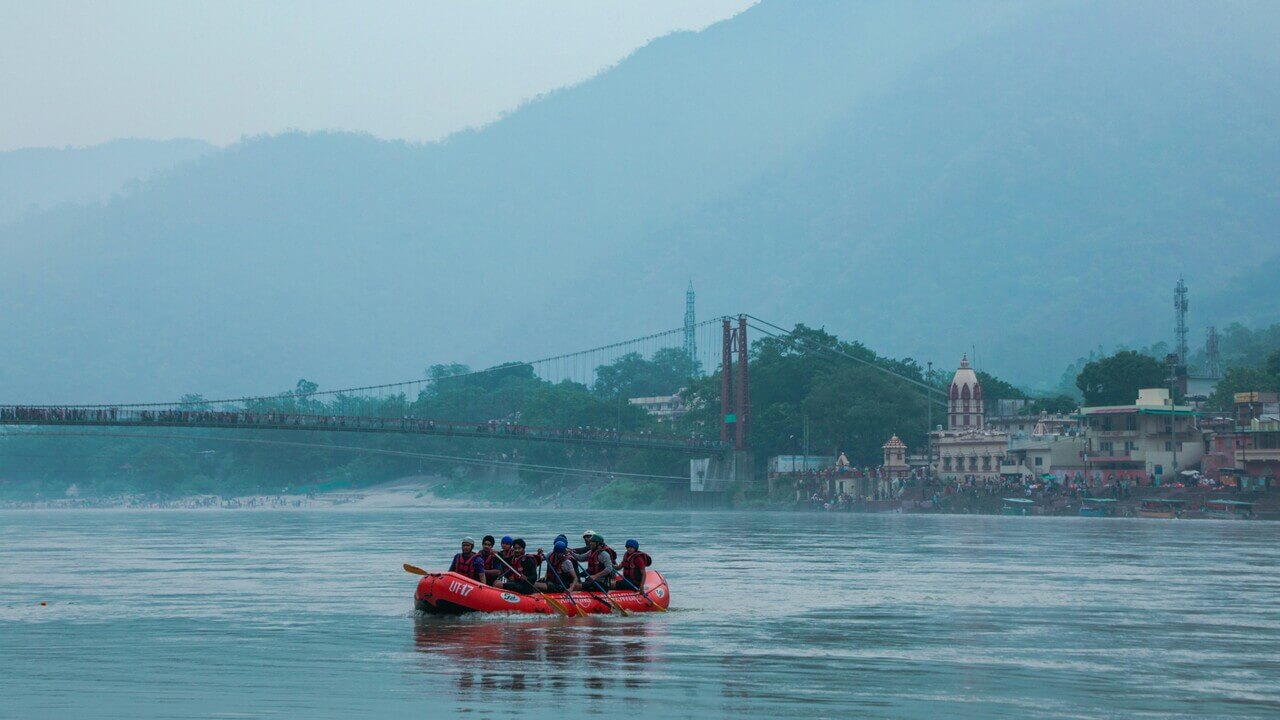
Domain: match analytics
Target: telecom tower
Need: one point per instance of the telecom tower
(1213, 364)
(1180, 311)
(690, 321)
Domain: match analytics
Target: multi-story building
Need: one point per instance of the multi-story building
(662, 407)
(1245, 450)
(1150, 440)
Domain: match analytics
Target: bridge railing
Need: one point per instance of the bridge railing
(174, 417)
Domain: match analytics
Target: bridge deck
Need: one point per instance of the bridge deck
(241, 420)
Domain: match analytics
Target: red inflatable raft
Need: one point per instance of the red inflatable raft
(452, 594)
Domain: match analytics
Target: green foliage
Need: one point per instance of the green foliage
(1264, 377)
(1115, 380)
(1056, 405)
(631, 495)
(633, 376)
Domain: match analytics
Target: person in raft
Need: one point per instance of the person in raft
(633, 566)
(492, 568)
(468, 563)
(508, 552)
(599, 560)
(586, 546)
(559, 568)
(526, 567)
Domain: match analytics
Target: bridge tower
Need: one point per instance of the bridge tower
(690, 326)
(735, 386)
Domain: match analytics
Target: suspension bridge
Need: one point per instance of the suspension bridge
(721, 343)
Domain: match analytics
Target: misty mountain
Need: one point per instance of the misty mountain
(1029, 178)
(34, 179)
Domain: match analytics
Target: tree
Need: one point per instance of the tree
(1264, 377)
(633, 376)
(1115, 380)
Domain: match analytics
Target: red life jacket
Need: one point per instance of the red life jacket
(633, 565)
(593, 559)
(491, 561)
(556, 573)
(466, 567)
(527, 565)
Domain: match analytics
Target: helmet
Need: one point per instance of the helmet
(468, 540)
(633, 544)
(597, 538)
(588, 533)
(506, 539)
(518, 542)
(561, 545)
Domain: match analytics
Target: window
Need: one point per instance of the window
(966, 419)
(1105, 446)
(1168, 447)
(1179, 447)
(1131, 422)
(946, 464)
(1106, 423)
(1039, 461)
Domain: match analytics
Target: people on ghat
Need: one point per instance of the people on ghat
(633, 565)
(468, 563)
(560, 574)
(525, 566)
(492, 567)
(599, 562)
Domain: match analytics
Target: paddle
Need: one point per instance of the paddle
(612, 603)
(415, 570)
(562, 609)
(643, 594)
(560, 580)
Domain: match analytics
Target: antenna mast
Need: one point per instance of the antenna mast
(690, 326)
(1180, 313)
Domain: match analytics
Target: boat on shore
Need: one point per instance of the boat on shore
(448, 593)
(1097, 507)
(1016, 506)
(1162, 508)
(1229, 509)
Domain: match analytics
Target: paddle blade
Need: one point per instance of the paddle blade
(415, 570)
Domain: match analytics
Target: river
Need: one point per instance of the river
(307, 614)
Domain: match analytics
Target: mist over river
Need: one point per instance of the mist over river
(307, 614)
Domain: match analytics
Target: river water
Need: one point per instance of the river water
(293, 614)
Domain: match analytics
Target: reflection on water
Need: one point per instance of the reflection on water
(595, 656)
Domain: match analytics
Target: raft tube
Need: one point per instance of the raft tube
(449, 593)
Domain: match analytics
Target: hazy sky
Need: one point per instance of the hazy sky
(79, 73)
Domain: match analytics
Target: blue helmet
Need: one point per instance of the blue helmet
(561, 546)
(633, 544)
(506, 539)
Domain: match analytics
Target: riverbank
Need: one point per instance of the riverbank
(1266, 506)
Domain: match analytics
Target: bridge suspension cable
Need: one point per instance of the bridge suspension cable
(789, 336)
(563, 364)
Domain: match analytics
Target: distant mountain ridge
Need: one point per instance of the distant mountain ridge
(1025, 177)
(35, 179)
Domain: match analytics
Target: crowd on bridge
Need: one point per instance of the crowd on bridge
(176, 416)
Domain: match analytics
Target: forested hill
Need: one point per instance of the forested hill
(34, 179)
(921, 176)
